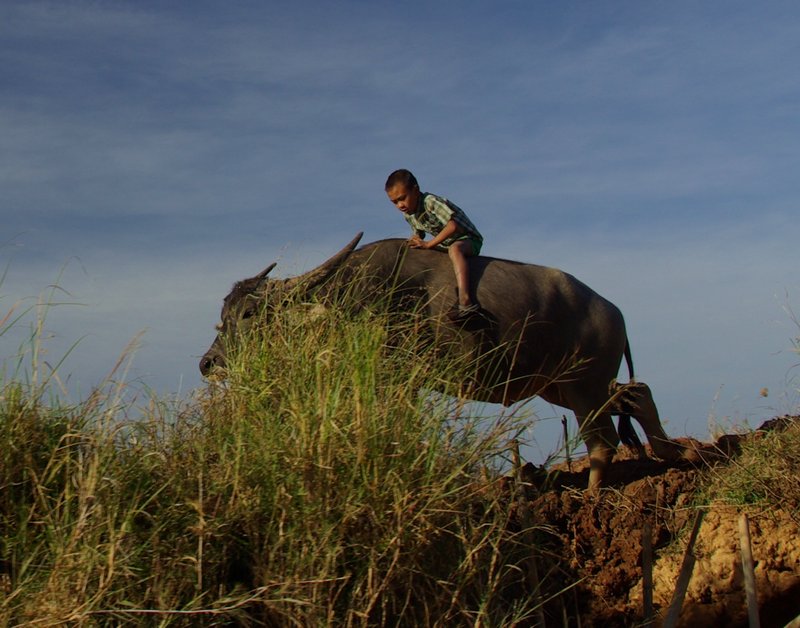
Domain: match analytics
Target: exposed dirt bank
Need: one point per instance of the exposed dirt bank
(597, 540)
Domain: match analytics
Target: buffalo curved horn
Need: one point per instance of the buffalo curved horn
(323, 271)
(261, 278)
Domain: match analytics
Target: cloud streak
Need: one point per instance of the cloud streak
(171, 150)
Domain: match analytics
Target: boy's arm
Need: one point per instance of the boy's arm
(450, 229)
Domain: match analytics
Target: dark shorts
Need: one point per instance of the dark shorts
(475, 244)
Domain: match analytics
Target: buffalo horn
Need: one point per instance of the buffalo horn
(259, 281)
(322, 272)
(262, 276)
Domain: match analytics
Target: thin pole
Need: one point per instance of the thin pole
(748, 571)
(684, 576)
(647, 573)
(527, 537)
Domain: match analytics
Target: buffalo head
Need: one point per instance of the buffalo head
(249, 298)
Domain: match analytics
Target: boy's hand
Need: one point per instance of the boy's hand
(415, 242)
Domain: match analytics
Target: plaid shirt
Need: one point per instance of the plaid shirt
(434, 213)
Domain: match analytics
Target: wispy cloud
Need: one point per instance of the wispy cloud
(173, 150)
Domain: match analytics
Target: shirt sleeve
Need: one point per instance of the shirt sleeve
(445, 211)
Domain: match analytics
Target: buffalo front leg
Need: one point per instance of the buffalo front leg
(601, 439)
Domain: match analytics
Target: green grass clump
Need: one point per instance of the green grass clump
(321, 484)
(765, 472)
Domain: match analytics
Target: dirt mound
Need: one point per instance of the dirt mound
(596, 541)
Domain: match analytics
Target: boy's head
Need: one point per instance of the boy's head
(403, 190)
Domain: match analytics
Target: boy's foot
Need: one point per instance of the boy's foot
(464, 313)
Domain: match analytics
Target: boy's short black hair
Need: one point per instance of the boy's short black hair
(402, 176)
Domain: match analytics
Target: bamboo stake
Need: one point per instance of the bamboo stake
(567, 444)
(684, 576)
(577, 609)
(526, 522)
(647, 574)
(564, 613)
(748, 571)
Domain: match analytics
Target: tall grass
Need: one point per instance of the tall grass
(764, 473)
(321, 484)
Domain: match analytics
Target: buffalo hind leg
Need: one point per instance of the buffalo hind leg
(636, 400)
(629, 437)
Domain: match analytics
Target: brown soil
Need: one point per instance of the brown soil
(596, 541)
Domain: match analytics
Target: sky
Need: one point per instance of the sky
(153, 153)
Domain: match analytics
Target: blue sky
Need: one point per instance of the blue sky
(152, 153)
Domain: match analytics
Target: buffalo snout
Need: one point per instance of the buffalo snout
(211, 362)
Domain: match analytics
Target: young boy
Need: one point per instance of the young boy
(447, 223)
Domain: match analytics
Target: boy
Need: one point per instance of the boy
(447, 223)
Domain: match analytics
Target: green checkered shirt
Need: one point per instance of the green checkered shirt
(434, 213)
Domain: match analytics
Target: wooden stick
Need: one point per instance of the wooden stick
(684, 576)
(647, 574)
(527, 536)
(577, 608)
(748, 571)
(567, 444)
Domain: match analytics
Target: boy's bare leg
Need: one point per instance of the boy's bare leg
(459, 251)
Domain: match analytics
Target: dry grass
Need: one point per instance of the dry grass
(320, 485)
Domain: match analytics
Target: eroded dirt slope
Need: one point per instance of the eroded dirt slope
(597, 540)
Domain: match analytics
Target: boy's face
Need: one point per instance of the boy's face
(404, 198)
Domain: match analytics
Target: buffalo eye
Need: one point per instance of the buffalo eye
(248, 313)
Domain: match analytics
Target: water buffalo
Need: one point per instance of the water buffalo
(547, 333)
